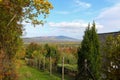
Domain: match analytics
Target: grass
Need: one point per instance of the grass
(29, 73)
(70, 67)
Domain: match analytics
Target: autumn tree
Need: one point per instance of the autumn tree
(12, 13)
(89, 55)
(31, 48)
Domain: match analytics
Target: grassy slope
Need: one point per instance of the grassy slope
(29, 73)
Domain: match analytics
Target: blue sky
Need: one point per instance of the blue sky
(71, 17)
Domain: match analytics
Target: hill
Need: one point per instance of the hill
(50, 39)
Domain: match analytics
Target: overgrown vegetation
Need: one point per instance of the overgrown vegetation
(47, 57)
(111, 58)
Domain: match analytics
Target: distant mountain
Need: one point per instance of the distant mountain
(50, 39)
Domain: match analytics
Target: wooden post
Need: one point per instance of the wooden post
(50, 66)
(39, 64)
(63, 68)
(85, 64)
(44, 64)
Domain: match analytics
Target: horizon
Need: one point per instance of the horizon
(71, 20)
(68, 36)
(50, 36)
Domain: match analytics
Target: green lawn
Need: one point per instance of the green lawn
(29, 73)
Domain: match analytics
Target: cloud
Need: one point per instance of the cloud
(74, 28)
(67, 24)
(78, 6)
(110, 17)
(73, 24)
(82, 4)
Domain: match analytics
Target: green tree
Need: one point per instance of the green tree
(31, 48)
(12, 13)
(51, 52)
(89, 51)
(94, 55)
(112, 57)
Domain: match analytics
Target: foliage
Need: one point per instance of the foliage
(52, 51)
(20, 53)
(28, 10)
(69, 58)
(39, 55)
(6, 71)
(112, 57)
(31, 48)
(89, 50)
(12, 13)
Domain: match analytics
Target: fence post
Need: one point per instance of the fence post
(63, 68)
(50, 66)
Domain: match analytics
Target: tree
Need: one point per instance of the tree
(89, 52)
(94, 55)
(51, 52)
(112, 57)
(12, 13)
(31, 48)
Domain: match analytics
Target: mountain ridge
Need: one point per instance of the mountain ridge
(50, 39)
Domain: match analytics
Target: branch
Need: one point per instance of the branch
(11, 20)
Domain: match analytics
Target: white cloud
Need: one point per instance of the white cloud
(110, 17)
(78, 6)
(82, 4)
(67, 24)
(73, 24)
(112, 12)
(74, 28)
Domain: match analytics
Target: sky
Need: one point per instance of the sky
(71, 17)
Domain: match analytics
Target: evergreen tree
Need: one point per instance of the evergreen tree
(89, 51)
(94, 55)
